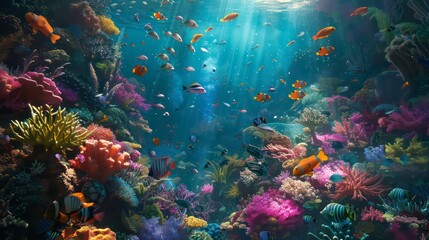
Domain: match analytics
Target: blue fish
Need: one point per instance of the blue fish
(307, 218)
(336, 178)
(404, 159)
(386, 162)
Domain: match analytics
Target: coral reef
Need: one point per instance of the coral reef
(86, 17)
(298, 190)
(92, 233)
(193, 222)
(120, 189)
(94, 192)
(414, 150)
(330, 233)
(99, 159)
(100, 133)
(170, 230)
(7, 84)
(409, 119)
(372, 214)
(108, 26)
(200, 235)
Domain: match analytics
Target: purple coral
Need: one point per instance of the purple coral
(170, 230)
(271, 207)
(207, 189)
(410, 119)
(374, 154)
(126, 96)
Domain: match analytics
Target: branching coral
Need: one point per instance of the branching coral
(282, 153)
(100, 158)
(355, 133)
(55, 130)
(409, 119)
(358, 184)
(312, 119)
(298, 190)
(372, 214)
(219, 174)
(415, 151)
(108, 26)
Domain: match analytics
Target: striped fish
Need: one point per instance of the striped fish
(400, 194)
(88, 215)
(160, 167)
(338, 213)
(195, 88)
(74, 202)
(308, 218)
(255, 151)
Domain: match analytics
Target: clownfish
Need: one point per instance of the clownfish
(308, 164)
(325, 51)
(262, 97)
(297, 95)
(299, 84)
(40, 24)
(139, 70)
(156, 141)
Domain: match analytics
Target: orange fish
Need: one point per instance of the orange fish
(104, 118)
(132, 45)
(40, 24)
(324, 33)
(155, 141)
(209, 29)
(262, 97)
(297, 95)
(283, 81)
(196, 37)
(299, 84)
(260, 68)
(139, 70)
(229, 17)
(359, 11)
(325, 51)
(143, 42)
(306, 165)
(159, 16)
(405, 85)
(290, 43)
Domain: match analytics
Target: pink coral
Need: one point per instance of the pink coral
(126, 97)
(322, 174)
(353, 132)
(358, 184)
(372, 214)
(100, 158)
(207, 189)
(86, 17)
(409, 119)
(271, 205)
(36, 89)
(7, 84)
(282, 153)
(100, 133)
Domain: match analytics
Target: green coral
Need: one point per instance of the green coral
(153, 211)
(55, 130)
(415, 150)
(219, 174)
(383, 21)
(117, 116)
(200, 235)
(85, 115)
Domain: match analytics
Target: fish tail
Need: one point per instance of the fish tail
(314, 38)
(173, 165)
(183, 88)
(322, 156)
(63, 218)
(352, 215)
(54, 38)
(222, 20)
(87, 205)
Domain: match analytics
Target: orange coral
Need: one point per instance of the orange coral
(92, 233)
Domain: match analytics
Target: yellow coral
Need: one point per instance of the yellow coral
(108, 26)
(193, 222)
(93, 233)
(415, 150)
(233, 192)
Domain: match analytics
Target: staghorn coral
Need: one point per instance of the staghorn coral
(282, 153)
(108, 26)
(36, 89)
(54, 130)
(100, 158)
(298, 190)
(415, 150)
(358, 184)
(193, 222)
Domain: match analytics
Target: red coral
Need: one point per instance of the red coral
(100, 133)
(372, 214)
(282, 153)
(358, 184)
(86, 17)
(7, 84)
(100, 158)
(36, 89)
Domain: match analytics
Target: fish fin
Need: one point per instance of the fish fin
(327, 54)
(87, 205)
(183, 88)
(298, 99)
(293, 85)
(166, 175)
(63, 218)
(99, 216)
(79, 195)
(352, 215)
(310, 174)
(317, 53)
(314, 38)
(317, 165)
(322, 156)
(290, 95)
(54, 38)
(173, 165)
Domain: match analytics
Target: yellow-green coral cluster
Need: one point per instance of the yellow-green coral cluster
(193, 222)
(219, 174)
(233, 192)
(108, 26)
(415, 151)
(55, 130)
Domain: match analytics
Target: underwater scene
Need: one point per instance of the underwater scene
(214, 119)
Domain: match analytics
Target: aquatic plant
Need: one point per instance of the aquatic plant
(415, 151)
(108, 26)
(409, 119)
(170, 230)
(233, 191)
(272, 207)
(56, 130)
(396, 207)
(330, 233)
(100, 133)
(382, 19)
(300, 191)
(100, 158)
(119, 188)
(358, 184)
(219, 174)
(372, 214)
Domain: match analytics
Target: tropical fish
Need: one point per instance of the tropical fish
(300, 34)
(163, 56)
(400, 195)
(290, 43)
(227, 104)
(209, 29)
(255, 151)
(260, 68)
(299, 84)
(159, 16)
(297, 95)
(404, 159)
(259, 121)
(148, 27)
(325, 51)
(189, 69)
(262, 97)
(167, 67)
(160, 167)
(195, 88)
(190, 23)
(282, 81)
(314, 88)
(324, 33)
(257, 168)
(158, 106)
(166, 114)
(406, 84)
(156, 141)
(229, 17)
(142, 57)
(88, 215)
(272, 89)
(196, 37)
(338, 213)
(223, 152)
(139, 70)
(307, 218)
(179, 18)
(359, 11)
(171, 50)
(40, 24)
(136, 17)
(160, 95)
(336, 178)
(190, 48)
(306, 165)
(204, 49)
(153, 35)
(312, 204)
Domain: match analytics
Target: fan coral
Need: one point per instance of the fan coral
(358, 184)
(193, 222)
(372, 214)
(100, 158)
(100, 133)
(7, 84)
(86, 17)
(271, 205)
(409, 119)
(93, 233)
(298, 190)
(207, 189)
(108, 26)
(35, 89)
(171, 230)
(56, 131)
